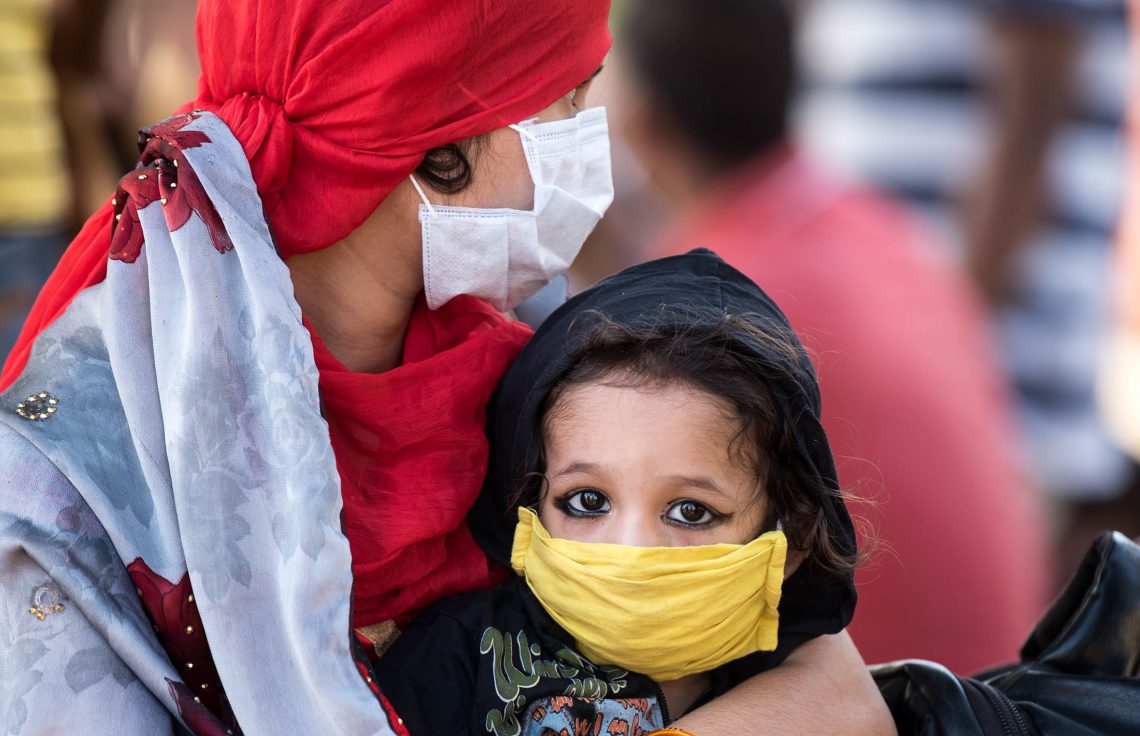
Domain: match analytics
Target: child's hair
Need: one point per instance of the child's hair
(731, 357)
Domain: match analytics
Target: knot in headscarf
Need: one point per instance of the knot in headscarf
(266, 136)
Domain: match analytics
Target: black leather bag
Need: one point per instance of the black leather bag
(1079, 673)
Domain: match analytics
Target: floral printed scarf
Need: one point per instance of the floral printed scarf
(170, 513)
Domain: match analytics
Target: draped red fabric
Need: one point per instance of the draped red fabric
(412, 454)
(334, 103)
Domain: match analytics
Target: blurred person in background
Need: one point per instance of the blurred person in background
(1001, 123)
(911, 395)
(80, 78)
(35, 186)
(121, 64)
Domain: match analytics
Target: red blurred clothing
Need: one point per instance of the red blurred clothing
(912, 403)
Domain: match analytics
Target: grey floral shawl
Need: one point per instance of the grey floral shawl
(169, 424)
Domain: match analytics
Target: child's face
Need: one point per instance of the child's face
(646, 467)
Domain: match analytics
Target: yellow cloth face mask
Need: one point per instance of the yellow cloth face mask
(665, 612)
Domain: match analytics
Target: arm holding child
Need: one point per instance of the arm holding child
(822, 688)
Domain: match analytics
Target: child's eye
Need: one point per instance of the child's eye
(691, 513)
(585, 502)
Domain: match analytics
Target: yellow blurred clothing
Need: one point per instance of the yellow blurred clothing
(34, 191)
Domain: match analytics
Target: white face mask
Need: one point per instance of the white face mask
(506, 255)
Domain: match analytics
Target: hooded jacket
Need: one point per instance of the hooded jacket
(813, 602)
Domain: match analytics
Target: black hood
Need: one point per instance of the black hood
(814, 602)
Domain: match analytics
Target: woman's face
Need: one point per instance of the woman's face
(646, 466)
(500, 177)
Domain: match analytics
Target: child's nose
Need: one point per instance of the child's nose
(635, 531)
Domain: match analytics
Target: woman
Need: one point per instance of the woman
(183, 538)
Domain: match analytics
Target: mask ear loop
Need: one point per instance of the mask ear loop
(523, 131)
(420, 191)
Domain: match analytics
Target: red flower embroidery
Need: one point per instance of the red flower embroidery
(178, 624)
(163, 174)
(196, 716)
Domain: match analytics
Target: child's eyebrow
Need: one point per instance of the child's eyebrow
(697, 481)
(578, 469)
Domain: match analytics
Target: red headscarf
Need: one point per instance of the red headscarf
(335, 102)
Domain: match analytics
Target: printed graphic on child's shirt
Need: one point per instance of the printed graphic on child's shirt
(569, 716)
(587, 702)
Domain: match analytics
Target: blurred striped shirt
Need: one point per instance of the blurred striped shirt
(895, 97)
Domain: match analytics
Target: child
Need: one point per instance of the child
(658, 468)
